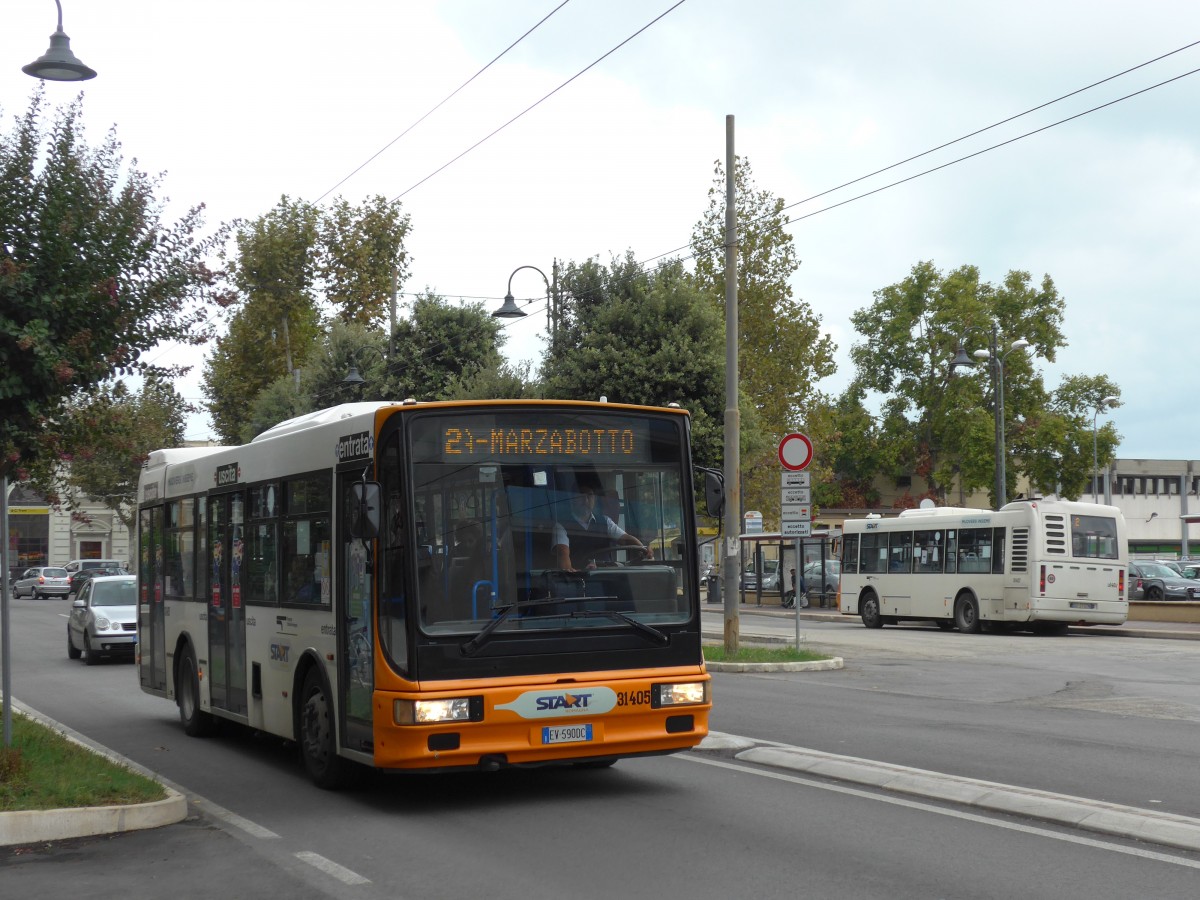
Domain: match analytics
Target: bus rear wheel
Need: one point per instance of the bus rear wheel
(966, 615)
(318, 745)
(870, 611)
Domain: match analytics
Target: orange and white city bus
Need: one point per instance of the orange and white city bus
(376, 581)
(1037, 564)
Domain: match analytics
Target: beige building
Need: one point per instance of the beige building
(1160, 499)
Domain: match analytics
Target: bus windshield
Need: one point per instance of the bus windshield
(542, 520)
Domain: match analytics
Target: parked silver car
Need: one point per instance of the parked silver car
(815, 578)
(42, 581)
(103, 619)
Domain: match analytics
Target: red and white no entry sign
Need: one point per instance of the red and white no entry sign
(795, 451)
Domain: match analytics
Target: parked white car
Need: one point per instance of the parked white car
(103, 619)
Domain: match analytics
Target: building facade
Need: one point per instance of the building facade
(39, 535)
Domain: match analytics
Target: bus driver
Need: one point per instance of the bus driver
(586, 531)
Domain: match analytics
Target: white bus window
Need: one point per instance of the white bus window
(874, 552)
(930, 551)
(900, 552)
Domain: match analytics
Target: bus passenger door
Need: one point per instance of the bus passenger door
(226, 610)
(355, 626)
(151, 620)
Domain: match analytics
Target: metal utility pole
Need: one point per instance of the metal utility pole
(5, 640)
(731, 564)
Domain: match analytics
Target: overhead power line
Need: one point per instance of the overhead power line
(537, 103)
(443, 102)
(959, 140)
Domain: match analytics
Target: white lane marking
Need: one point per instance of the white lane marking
(231, 818)
(953, 813)
(329, 867)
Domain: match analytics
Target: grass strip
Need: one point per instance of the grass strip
(43, 769)
(761, 654)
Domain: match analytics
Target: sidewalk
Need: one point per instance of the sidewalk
(1179, 631)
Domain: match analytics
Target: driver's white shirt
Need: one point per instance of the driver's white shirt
(615, 532)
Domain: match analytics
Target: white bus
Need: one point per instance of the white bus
(378, 582)
(1035, 564)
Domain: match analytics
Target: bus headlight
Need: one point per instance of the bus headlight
(433, 712)
(688, 693)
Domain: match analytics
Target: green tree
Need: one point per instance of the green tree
(363, 257)
(641, 337)
(504, 381)
(289, 265)
(1057, 444)
(276, 323)
(441, 352)
(782, 350)
(100, 440)
(438, 346)
(941, 424)
(91, 275)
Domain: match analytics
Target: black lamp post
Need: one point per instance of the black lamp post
(510, 309)
(996, 363)
(1103, 404)
(59, 63)
(353, 378)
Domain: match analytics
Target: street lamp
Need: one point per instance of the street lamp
(1103, 404)
(59, 63)
(996, 362)
(353, 377)
(510, 310)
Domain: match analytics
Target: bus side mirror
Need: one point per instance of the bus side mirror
(714, 493)
(364, 509)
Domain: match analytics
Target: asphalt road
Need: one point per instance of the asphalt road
(692, 825)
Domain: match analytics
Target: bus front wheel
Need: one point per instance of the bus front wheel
(966, 615)
(870, 612)
(196, 722)
(318, 744)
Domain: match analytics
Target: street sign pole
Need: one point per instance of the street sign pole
(795, 502)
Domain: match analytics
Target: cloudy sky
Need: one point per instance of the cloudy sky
(240, 103)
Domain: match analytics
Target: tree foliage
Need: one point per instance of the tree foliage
(363, 259)
(439, 352)
(940, 425)
(91, 275)
(782, 351)
(100, 441)
(290, 264)
(641, 337)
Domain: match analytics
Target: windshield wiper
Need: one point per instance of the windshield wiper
(641, 627)
(471, 647)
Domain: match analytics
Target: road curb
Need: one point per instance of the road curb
(38, 825)
(816, 665)
(1113, 819)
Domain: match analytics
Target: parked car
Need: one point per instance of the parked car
(78, 565)
(830, 577)
(42, 581)
(1154, 581)
(103, 619)
(1173, 564)
(81, 577)
(770, 573)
